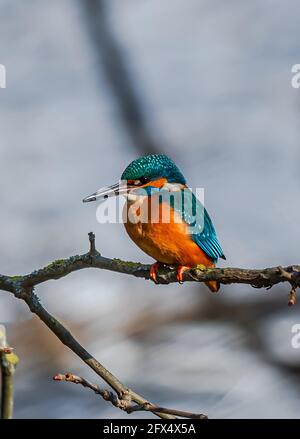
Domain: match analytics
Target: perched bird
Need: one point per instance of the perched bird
(163, 216)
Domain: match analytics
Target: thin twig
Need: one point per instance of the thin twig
(292, 297)
(125, 404)
(153, 408)
(107, 395)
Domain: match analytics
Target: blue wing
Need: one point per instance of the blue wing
(208, 241)
(201, 227)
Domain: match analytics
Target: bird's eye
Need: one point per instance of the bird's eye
(144, 180)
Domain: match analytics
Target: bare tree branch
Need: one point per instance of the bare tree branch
(23, 288)
(122, 392)
(125, 405)
(154, 408)
(107, 395)
(257, 278)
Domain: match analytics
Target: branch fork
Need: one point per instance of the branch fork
(125, 401)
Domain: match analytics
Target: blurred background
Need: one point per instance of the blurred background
(92, 85)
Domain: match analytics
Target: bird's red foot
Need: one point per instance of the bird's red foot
(180, 270)
(153, 271)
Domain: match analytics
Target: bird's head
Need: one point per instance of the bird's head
(150, 171)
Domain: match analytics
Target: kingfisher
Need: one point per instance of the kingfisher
(164, 218)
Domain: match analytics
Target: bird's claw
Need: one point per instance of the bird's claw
(180, 271)
(153, 272)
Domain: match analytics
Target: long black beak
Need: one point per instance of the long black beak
(109, 191)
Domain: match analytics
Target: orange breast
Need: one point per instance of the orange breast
(159, 231)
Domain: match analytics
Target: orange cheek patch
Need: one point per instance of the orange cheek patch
(156, 183)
